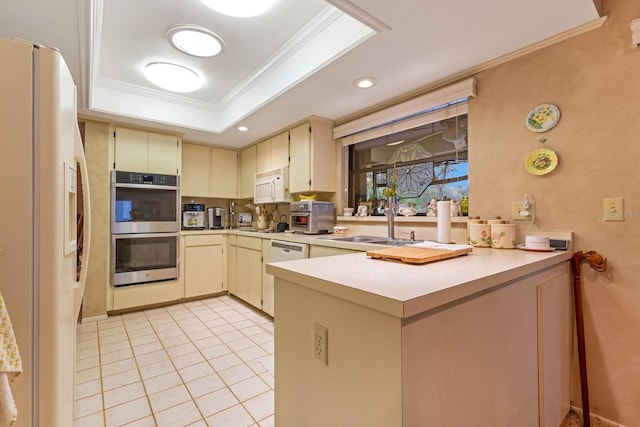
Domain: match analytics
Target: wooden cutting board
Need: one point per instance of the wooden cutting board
(413, 255)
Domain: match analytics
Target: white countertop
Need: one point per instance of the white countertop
(404, 290)
(311, 239)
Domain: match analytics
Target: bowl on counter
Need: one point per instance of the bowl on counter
(340, 229)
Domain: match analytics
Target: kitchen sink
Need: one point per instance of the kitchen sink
(375, 240)
(394, 242)
(356, 239)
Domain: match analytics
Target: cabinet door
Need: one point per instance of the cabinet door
(131, 150)
(164, 154)
(196, 171)
(224, 173)
(554, 344)
(247, 172)
(232, 268)
(203, 270)
(267, 280)
(280, 150)
(249, 275)
(263, 156)
(299, 166)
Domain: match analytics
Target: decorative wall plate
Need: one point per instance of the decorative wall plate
(541, 161)
(542, 118)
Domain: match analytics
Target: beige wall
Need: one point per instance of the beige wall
(97, 154)
(594, 79)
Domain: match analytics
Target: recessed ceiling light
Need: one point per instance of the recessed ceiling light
(172, 77)
(365, 82)
(239, 8)
(194, 40)
(243, 128)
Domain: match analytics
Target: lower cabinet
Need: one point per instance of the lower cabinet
(267, 280)
(317, 251)
(232, 264)
(203, 265)
(249, 270)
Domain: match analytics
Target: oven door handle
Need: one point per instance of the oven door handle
(144, 235)
(145, 186)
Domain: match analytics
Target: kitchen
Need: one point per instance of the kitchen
(588, 76)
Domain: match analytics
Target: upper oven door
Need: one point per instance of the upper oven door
(144, 208)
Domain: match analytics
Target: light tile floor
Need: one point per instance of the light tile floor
(201, 363)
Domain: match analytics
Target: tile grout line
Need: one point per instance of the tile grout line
(247, 314)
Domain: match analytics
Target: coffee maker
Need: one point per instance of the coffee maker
(215, 217)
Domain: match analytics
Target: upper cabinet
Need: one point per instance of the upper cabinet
(273, 153)
(209, 172)
(139, 151)
(247, 172)
(312, 153)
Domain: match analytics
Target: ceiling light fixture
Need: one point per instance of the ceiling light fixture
(243, 128)
(195, 41)
(365, 82)
(172, 77)
(391, 144)
(239, 8)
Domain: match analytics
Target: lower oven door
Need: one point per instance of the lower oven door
(142, 258)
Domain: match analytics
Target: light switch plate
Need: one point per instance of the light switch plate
(614, 209)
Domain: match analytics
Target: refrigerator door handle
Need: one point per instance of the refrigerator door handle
(86, 228)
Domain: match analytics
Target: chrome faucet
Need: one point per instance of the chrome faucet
(390, 210)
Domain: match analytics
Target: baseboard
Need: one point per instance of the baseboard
(601, 421)
(94, 318)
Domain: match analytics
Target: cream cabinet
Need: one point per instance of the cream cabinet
(203, 265)
(232, 264)
(273, 153)
(224, 173)
(209, 172)
(247, 172)
(312, 153)
(139, 151)
(249, 271)
(317, 251)
(267, 280)
(196, 170)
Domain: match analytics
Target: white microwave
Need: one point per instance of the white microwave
(271, 186)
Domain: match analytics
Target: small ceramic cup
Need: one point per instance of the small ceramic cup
(347, 211)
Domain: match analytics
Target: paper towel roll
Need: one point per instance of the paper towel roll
(444, 221)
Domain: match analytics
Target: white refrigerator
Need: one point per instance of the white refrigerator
(41, 156)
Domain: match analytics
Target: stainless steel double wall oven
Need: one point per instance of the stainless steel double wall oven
(145, 227)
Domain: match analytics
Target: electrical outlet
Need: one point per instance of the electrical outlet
(320, 343)
(516, 208)
(614, 209)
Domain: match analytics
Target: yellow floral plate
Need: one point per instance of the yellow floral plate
(541, 161)
(542, 118)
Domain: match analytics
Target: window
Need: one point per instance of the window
(419, 164)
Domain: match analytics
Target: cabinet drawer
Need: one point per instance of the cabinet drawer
(204, 240)
(250, 243)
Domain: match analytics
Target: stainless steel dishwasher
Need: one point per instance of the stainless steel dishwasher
(280, 251)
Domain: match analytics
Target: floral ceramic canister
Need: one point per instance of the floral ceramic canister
(479, 234)
(503, 236)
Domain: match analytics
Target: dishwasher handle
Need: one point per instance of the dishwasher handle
(287, 245)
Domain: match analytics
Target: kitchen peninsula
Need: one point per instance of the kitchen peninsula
(481, 340)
